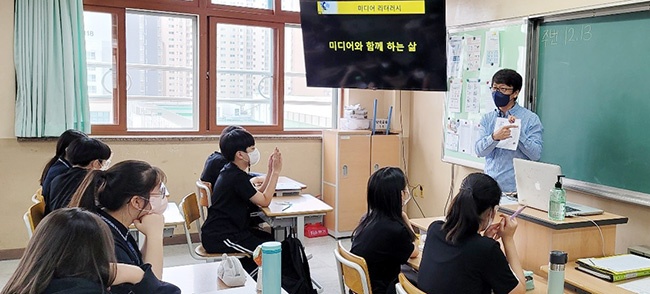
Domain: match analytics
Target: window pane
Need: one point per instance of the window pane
(291, 5)
(100, 48)
(304, 108)
(161, 83)
(244, 75)
(264, 4)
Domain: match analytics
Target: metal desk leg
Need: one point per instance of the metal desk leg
(300, 228)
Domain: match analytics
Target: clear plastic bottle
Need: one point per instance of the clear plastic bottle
(557, 202)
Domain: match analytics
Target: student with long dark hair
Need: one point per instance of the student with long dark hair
(58, 164)
(130, 192)
(468, 261)
(384, 237)
(84, 154)
(71, 252)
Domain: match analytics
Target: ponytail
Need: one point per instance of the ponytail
(478, 193)
(85, 197)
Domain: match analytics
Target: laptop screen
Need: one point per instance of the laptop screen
(534, 182)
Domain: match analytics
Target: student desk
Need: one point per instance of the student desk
(294, 211)
(287, 186)
(587, 282)
(537, 235)
(422, 224)
(202, 278)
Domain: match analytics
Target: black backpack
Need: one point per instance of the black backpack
(296, 278)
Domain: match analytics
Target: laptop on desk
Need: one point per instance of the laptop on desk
(534, 182)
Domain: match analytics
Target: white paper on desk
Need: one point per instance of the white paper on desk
(512, 142)
(621, 263)
(641, 286)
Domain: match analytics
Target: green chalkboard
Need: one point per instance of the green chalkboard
(593, 98)
(470, 66)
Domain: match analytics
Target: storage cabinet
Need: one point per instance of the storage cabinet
(349, 158)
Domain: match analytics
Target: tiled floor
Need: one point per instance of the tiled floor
(322, 264)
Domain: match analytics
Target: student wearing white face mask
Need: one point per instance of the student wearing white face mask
(131, 192)
(226, 228)
(384, 237)
(470, 262)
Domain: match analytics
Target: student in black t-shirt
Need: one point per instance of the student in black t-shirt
(58, 165)
(384, 237)
(458, 259)
(226, 228)
(84, 154)
(70, 252)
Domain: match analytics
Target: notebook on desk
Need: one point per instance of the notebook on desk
(534, 182)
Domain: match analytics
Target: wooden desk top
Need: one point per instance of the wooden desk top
(173, 215)
(587, 282)
(284, 182)
(541, 218)
(423, 223)
(202, 278)
(299, 205)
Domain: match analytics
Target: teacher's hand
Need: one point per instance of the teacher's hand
(503, 133)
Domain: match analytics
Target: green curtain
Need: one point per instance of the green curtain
(50, 60)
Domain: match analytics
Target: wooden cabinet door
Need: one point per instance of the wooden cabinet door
(384, 151)
(353, 177)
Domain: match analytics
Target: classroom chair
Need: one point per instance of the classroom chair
(190, 209)
(353, 271)
(33, 216)
(204, 190)
(406, 287)
(38, 196)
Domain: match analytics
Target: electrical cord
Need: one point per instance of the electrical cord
(414, 200)
(602, 237)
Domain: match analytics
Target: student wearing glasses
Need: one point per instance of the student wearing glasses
(506, 84)
(130, 192)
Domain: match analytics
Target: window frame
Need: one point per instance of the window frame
(208, 16)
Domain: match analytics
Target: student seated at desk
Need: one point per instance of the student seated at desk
(384, 237)
(226, 228)
(131, 192)
(457, 259)
(83, 154)
(216, 161)
(58, 165)
(70, 252)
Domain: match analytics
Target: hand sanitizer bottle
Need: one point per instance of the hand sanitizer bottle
(557, 204)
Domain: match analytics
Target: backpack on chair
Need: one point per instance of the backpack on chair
(296, 278)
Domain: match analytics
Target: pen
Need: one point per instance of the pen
(517, 212)
(287, 207)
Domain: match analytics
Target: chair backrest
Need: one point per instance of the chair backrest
(33, 216)
(408, 288)
(399, 289)
(38, 196)
(353, 271)
(204, 190)
(190, 209)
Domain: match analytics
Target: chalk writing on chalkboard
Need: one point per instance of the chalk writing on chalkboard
(558, 36)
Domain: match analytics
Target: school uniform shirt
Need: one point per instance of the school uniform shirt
(229, 213)
(474, 265)
(212, 167)
(63, 187)
(126, 251)
(385, 245)
(58, 168)
(74, 286)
